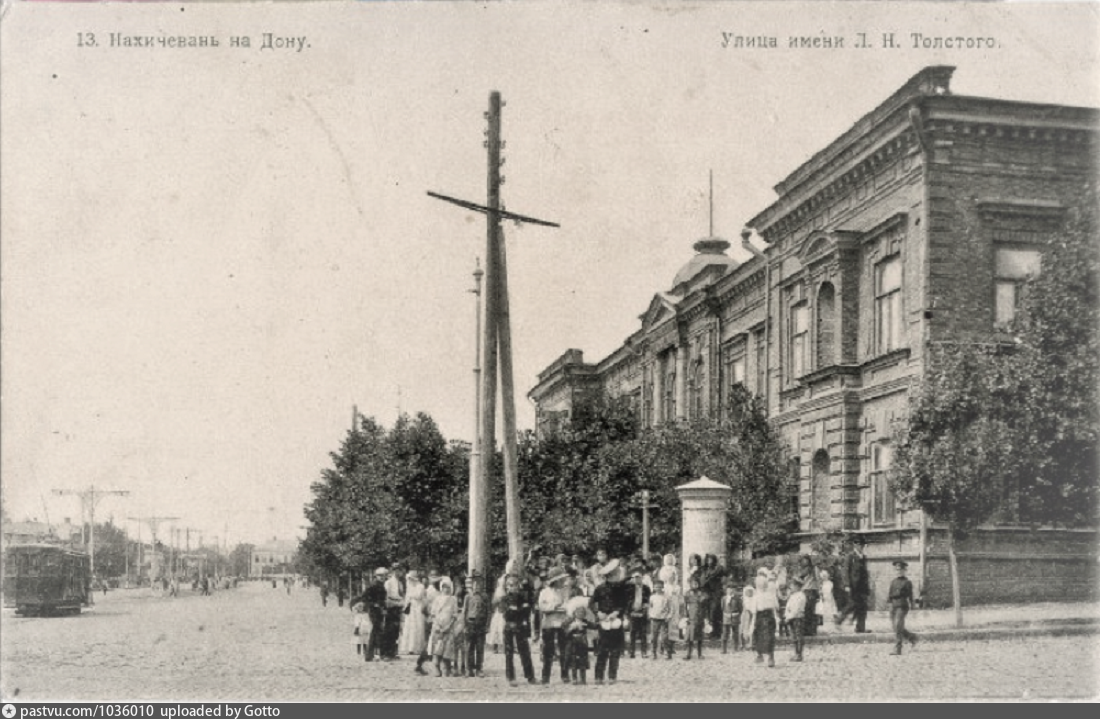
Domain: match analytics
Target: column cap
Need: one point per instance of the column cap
(704, 486)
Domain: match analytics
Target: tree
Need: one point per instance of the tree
(1009, 430)
(954, 454)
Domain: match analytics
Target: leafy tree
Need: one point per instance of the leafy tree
(1010, 430)
(237, 564)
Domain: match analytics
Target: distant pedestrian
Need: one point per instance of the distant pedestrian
(732, 606)
(576, 636)
(900, 599)
(517, 630)
(694, 611)
(445, 611)
(324, 594)
(826, 606)
(375, 599)
(610, 603)
(639, 596)
(765, 609)
(475, 615)
(430, 594)
(395, 608)
(361, 629)
(552, 599)
(856, 581)
(811, 587)
(413, 635)
(660, 619)
(796, 610)
(748, 617)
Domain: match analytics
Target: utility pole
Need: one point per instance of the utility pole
(475, 449)
(496, 338)
(89, 498)
(645, 507)
(153, 523)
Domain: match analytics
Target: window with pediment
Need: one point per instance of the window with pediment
(1013, 267)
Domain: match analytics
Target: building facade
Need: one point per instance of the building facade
(914, 227)
(274, 557)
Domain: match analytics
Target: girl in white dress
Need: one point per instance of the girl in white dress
(413, 631)
(826, 606)
(495, 637)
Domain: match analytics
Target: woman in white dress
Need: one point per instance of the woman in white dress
(495, 637)
(413, 631)
(826, 607)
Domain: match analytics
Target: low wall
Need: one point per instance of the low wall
(996, 565)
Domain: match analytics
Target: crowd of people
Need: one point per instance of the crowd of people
(572, 611)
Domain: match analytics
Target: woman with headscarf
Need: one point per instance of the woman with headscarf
(445, 612)
(811, 587)
(766, 608)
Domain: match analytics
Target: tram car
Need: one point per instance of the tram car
(44, 579)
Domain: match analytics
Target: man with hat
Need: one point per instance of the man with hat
(639, 595)
(475, 618)
(551, 605)
(900, 598)
(610, 603)
(857, 584)
(430, 593)
(395, 609)
(375, 600)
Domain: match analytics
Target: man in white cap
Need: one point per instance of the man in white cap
(375, 597)
(552, 600)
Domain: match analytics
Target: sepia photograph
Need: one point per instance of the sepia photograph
(547, 352)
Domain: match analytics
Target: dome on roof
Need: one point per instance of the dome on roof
(710, 252)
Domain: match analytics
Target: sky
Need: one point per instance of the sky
(208, 256)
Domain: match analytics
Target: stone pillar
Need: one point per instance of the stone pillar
(703, 525)
(681, 380)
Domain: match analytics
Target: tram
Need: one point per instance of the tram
(45, 579)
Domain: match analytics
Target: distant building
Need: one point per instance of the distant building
(34, 532)
(914, 227)
(274, 557)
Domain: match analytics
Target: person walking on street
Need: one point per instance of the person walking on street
(430, 593)
(857, 585)
(796, 609)
(900, 599)
(375, 599)
(811, 587)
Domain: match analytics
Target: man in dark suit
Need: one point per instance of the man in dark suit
(857, 585)
(638, 600)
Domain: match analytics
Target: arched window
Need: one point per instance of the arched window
(695, 391)
(826, 326)
(821, 487)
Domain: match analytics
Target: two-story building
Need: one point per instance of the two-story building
(914, 227)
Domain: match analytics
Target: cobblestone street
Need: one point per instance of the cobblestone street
(256, 643)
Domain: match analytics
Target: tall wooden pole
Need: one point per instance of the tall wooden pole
(508, 405)
(479, 486)
(475, 448)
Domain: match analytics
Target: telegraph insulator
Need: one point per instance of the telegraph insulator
(502, 178)
(484, 143)
(502, 162)
(503, 144)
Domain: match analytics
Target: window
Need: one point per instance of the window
(794, 486)
(826, 321)
(884, 510)
(799, 332)
(735, 372)
(888, 304)
(669, 405)
(1013, 267)
(695, 391)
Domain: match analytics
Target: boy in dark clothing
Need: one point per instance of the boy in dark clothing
(517, 628)
(900, 599)
(475, 615)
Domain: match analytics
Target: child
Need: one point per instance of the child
(576, 632)
(695, 611)
(900, 599)
(732, 606)
(796, 610)
(362, 629)
(783, 593)
(660, 612)
(459, 653)
(748, 615)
